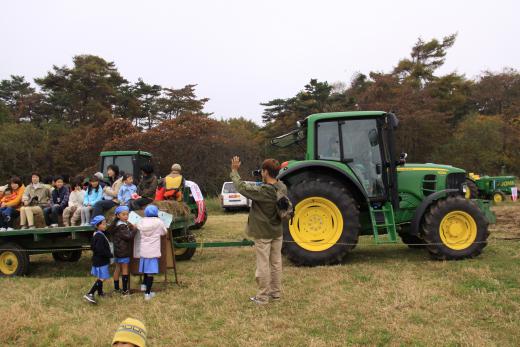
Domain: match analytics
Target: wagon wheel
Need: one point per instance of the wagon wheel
(185, 253)
(14, 261)
(67, 256)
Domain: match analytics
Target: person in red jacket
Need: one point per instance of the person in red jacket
(10, 204)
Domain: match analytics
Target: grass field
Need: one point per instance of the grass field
(381, 296)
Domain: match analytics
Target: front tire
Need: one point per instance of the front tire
(498, 197)
(325, 225)
(455, 228)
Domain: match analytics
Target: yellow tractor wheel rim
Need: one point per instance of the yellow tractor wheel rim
(8, 263)
(317, 224)
(458, 230)
(497, 197)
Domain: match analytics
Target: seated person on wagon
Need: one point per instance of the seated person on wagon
(110, 192)
(146, 188)
(171, 187)
(35, 198)
(59, 201)
(10, 204)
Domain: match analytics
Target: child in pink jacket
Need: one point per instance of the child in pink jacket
(151, 228)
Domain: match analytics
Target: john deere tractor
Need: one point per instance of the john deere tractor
(352, 183)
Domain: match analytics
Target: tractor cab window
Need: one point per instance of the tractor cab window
(125, 163)
(328, 141)
(361, 150)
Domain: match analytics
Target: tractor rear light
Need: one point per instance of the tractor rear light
(284, 165)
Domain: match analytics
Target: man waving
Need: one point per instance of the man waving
(265, 226)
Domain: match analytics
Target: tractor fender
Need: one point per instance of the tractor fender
(419, 212)
(358, 190)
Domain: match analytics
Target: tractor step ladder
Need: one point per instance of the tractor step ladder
(383, 219)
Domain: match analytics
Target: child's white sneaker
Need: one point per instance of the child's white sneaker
(149, 296)
(9, 229)
(54, 225)
(143, 287)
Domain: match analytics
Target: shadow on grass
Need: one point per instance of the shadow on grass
(44, 266)
(384, 254)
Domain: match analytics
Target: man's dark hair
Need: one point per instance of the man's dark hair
(36, 174)
(126, 175)
(272, 166)
(56, 178)
(147, 169)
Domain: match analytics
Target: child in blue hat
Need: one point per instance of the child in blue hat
(101, 255)
(151, 228)
(122, 233)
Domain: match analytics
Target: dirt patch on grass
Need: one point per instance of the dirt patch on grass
(508, 219)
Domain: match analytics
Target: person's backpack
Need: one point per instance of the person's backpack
(284, 206)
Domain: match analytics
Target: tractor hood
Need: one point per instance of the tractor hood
(435, 168)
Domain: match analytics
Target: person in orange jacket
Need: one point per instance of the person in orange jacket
(10, 204)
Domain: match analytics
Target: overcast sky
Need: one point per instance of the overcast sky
(241, 53)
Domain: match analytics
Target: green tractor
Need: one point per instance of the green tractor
(495, 188)
(353, 183)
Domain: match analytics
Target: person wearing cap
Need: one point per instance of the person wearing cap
(101, 255)
(171, 187)
(151, 228)
(130, 333)
(122, 233)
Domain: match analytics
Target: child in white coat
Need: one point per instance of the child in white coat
(151, 228)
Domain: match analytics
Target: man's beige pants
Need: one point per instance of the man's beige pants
(27, 215)
(268, 268)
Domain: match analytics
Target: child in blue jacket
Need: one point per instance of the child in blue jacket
(127, 189)
(101, 255)
(94, 194)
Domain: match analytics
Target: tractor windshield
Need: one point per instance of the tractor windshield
(356, 143)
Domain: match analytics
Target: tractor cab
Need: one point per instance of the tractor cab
(127, 161)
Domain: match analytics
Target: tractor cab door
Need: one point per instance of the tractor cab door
(355, 142)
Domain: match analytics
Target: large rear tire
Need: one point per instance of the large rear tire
(455, 228)
(14, 261)
(325, 225)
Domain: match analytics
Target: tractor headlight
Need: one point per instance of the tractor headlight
(464, 188)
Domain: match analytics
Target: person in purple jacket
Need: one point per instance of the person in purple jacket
(59, 201)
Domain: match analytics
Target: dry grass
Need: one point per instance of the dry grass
(384, 295)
